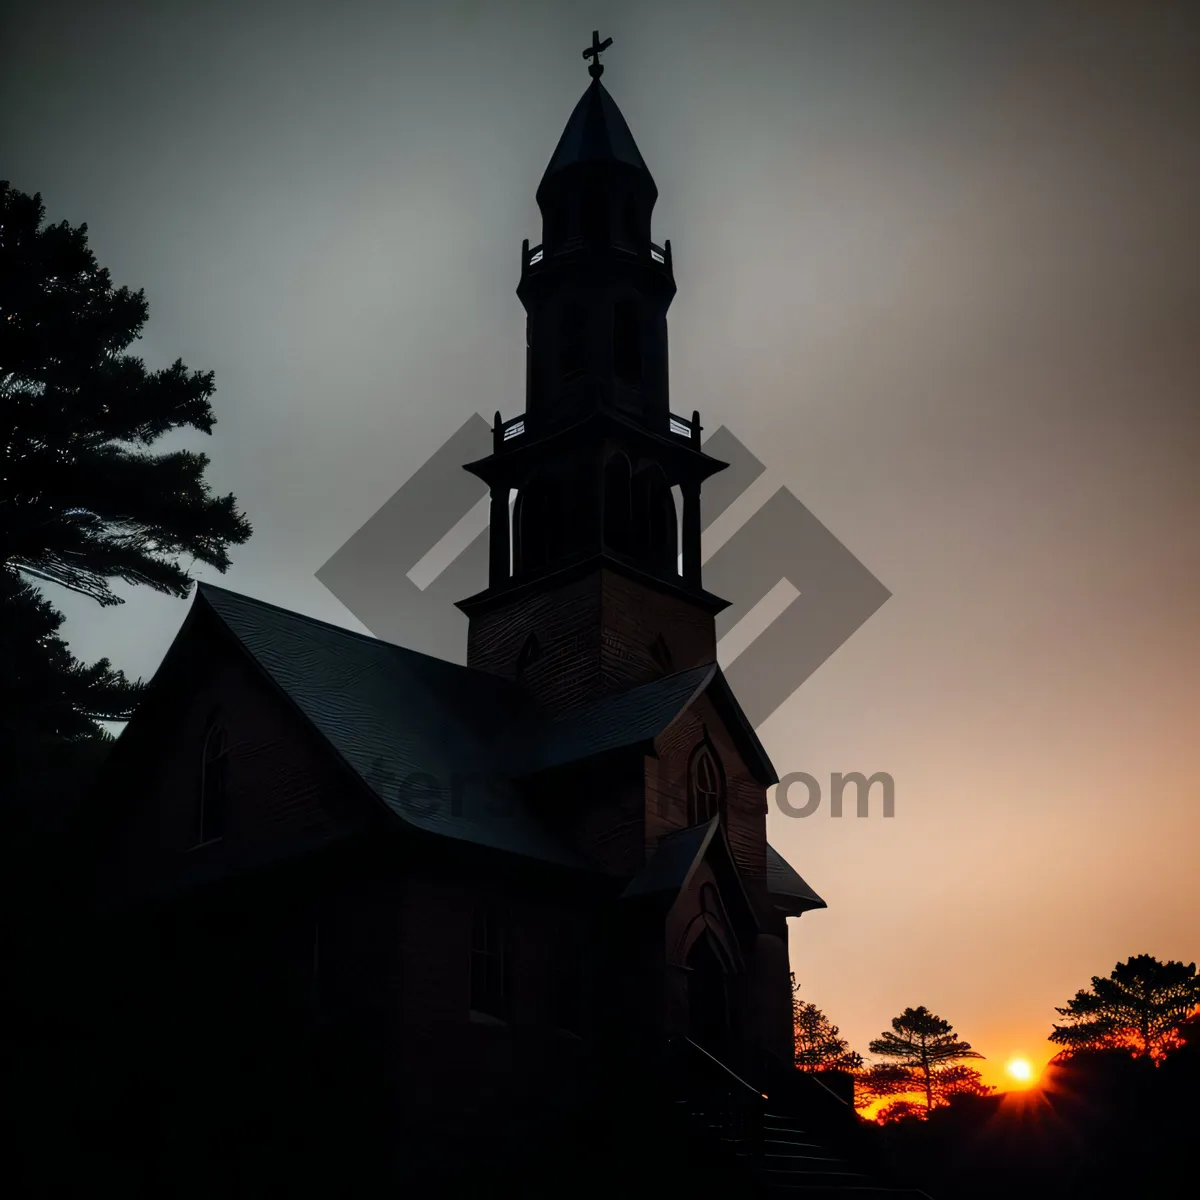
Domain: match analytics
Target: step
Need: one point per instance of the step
(798, 1142)
(834, 1179)
(825, 1192)
(800, 1167)
(783, 1153)
(789, 1126)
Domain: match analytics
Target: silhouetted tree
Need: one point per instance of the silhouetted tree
(44, 692)
(925, 1056)
(1140, 1006)
(819, 1045)
(899, 1110)
(82, 501)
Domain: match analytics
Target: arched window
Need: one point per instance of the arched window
(627, 342)
(489, 965)
(518, 512)
(653, 519)
(572, 340)
(532, 530)
(664, 526)
(617, 479)
(706, 785)
(214, 784)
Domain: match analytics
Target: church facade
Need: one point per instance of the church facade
(365, 908)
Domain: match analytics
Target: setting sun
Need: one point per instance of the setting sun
(1020, 1069)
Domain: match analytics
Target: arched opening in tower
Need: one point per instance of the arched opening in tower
(655, 524)
(530, 532)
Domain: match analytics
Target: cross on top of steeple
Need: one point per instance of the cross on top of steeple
(595, 70)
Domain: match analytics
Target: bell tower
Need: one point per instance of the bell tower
(594, 565)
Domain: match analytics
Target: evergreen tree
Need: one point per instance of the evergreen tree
(1140, 1006)
(819, 1045)
(899, 1110)
(82, 500)
(924, 1056)
(44, 692)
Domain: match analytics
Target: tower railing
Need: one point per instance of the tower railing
(505, 433)
(534, 258)
(688, 428)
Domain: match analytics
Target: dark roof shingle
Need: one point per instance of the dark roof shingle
(412, 726)
(784, 883)
(445, 746)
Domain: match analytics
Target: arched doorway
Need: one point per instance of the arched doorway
(708, 999)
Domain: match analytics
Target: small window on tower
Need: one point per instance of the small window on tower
(595, 216)
(572, 340)
(627, 342)
(630, 221)
(661, 653)
(531, 651)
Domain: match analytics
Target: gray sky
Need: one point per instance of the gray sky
(938, 267)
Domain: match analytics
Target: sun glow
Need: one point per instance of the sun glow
(1021, 1069)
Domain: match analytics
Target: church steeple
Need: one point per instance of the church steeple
(597, 289)
(599, 465)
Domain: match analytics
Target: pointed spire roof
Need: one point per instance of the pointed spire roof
(595, 133)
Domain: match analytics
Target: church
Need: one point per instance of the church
(372, 921)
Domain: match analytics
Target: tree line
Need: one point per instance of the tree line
(1141, 1007)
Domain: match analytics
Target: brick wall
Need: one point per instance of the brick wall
(746, 799)
(282, 786)
(598, 811)
(453, 1063)
(595, 636)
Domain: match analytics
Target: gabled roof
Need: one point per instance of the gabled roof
(786, 888)
(629, 718)
(419, 731)
(740, 729)
(677, 859)
(680, 853)
(672, 863)
(595, 132)
(444, 747)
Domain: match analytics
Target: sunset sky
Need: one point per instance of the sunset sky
(938, 268)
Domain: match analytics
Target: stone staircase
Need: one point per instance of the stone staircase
(793, 1163)
(797, 1141)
